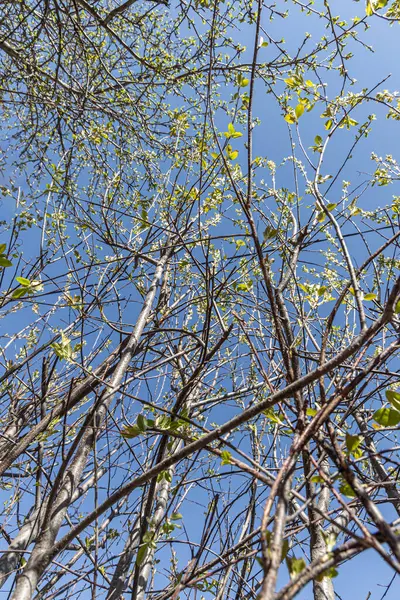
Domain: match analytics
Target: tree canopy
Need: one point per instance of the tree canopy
(199, 298)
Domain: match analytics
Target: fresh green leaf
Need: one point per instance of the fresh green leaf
(299, 110)
(347, 490)
(4, 262)
(295, 566)
(23, 281)
(272, 416)
(394, 398)
(176, 516)
(141, 555)
(387, 417)
(19, 292)
(270, 233)
(352, 443)
(289, 118)
(370, 296)
(328, 573)
(226, 457)
(311, 412)
(131, 431)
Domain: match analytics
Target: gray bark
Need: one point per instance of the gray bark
(40, 558)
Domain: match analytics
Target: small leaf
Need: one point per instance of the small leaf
(387, 417)
(19, 292)
(370, 296)
(394, 398)
(4, 262)
(328, 573)
(330, 540)
(3, 248)
(353, 442)
(397, 308)
(131, 431)
(299, 110)
(289, 118)
(233, 155)
(142, 423)
(321, 216)
(318, 140)
(270, 233)
(295, 566)
(317, 479)
(226, 457)
(285, 549)
(141, 555)
(23, 281)
(311, 412)
(331, 206)
(347, 490)
(176, 517)
(272, 416)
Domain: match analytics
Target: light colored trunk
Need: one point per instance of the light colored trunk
(323, 590)
(41, 555)
(10, 559)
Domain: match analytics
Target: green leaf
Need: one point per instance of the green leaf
(330, 540)
(328, 573)
(321, 216)
(289, 118)
(305, 288)
(317, 479)
(331, 206)
(131, 431)
(142, 423)
(270, 233)
(322, 290)
(397, 308)
(226, 457)
(368, 9)
(387, 417)
(232, 133)
(285, 549)
(272, 416)
(328, 124)
(370, 296)
(295, 566)
(318, 140)
(176, 516)
(233, 155)
(4, 262)
(299, 110)
(394, 398)
(311, 412)
(3, 248)
(23, 281)
(352, 443)
(19, 292)
(141, 555)
(347, 490)
(244, 287)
